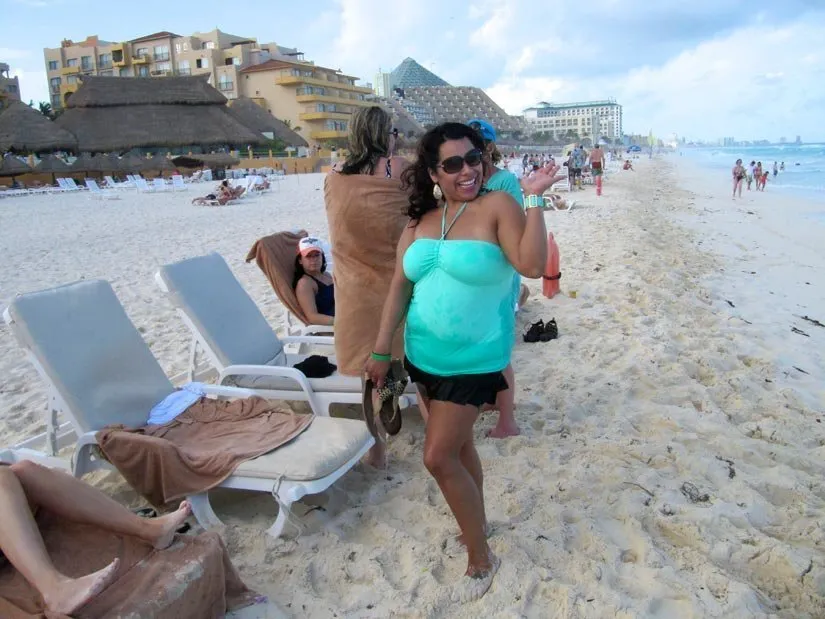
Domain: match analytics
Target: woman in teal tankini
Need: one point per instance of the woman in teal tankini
(453, 282)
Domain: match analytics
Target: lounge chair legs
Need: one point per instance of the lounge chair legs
(203, 512)
(277, 527)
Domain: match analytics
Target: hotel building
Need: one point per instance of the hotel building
(317, 102)
(217, 53)
(9, 86)
(587, 119)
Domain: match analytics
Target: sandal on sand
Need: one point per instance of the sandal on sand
(551, 331)
(394, 385)
(534, 332)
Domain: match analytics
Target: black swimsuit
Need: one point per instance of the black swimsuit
(324, 298)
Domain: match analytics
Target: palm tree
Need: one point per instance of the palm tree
(46, 109)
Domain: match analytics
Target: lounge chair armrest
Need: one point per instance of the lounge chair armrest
(313, 329)
(268, 370)
(308, 339)
(222, 391)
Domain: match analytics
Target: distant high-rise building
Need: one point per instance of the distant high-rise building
(798, 140)
(410, 74)
(383, 84)
(783, 140)
(592, 119)
(728, 142)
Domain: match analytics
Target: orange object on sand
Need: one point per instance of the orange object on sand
(552, 274)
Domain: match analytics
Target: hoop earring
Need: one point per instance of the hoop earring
(437, 193)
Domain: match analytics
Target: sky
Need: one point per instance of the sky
(703, 69)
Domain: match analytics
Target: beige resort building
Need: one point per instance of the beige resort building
(316, 100)
(9, 86)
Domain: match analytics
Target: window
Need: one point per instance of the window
(72, 79)
(140, 52)
(208, 45)
(52, 65)
(108, 73)
(202, 63)
(12, 88)
(72, 62)
(55, 101)
(143, 71)
(104, 61)
(228, 62)
(117, 55)
(125, 72)
(183, 68)
(186, 47)
(224, 83)
(177, 48)
(161, 53)
(86, 63)
(335, 125)
(54, 84)
(163, 66)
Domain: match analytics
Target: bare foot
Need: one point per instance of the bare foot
(503, 430)
(168, 524)
(476, 581)
(456, 544)
(72, 593)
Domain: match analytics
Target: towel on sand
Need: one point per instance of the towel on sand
(198, 449)
(366, 216)
(192, 578)
(275, 256)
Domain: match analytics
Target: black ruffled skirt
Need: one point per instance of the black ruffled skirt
(463, 389)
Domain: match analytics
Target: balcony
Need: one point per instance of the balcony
(161, 57)
(289, 80)
(142, 59)
(325, 116)
(328, 134)
(54, 89)
(183, 72)
(226, 86)
(330, 99)
(163, 73)
(70, 70)
(104, 65)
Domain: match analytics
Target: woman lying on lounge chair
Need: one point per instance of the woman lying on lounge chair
(24, 487)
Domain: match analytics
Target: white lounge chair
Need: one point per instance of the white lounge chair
(99, 371)
(143, 186)
(178, 183)
(159, 184)
(72, 185)
(238, 341)
(96, 192)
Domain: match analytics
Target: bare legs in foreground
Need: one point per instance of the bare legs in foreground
(27, 484)
(451, 458)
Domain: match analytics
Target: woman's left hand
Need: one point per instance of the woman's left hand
(541, 180)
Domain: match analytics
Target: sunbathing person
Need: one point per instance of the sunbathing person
(213, 199)
(313, 285)
(24, 487)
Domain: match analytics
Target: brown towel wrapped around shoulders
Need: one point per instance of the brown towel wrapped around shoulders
(366, 217)
(200, 448)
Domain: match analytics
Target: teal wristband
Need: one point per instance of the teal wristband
(534, 201)
(376, 357)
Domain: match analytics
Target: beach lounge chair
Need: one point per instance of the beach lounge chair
(143, 186)
(239, 343)
(159, 184)
(96, 192)
(72, 185)
(177, 183)
(99, 371)
(275, 256)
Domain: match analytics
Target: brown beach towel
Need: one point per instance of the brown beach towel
(193, 578)
(366, 216)
(200, 448)
(275, 256)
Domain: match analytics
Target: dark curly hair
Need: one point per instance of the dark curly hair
(417, 176)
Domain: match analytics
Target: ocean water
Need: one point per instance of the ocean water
(804, 173)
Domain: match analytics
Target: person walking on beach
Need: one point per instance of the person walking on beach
(453, 283)
(775, 169)
(758, 176)
(751, 172)
(739, 175)
(578, 163)
(597, 167)
(782, 167)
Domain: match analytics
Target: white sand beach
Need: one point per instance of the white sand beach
(671, 462)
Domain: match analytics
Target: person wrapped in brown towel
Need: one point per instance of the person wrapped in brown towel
(366, 211)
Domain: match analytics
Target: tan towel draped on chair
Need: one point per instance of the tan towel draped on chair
(275, 256)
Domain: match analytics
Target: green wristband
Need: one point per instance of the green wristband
(376, 357)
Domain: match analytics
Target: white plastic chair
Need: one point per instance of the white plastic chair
(96, 192)
(177, 183)
(239, 343)
(159, 184)
(143, 186)
(99, 371)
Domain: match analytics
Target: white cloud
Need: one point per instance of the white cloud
(9, 53)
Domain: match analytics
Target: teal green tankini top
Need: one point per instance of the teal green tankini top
(460, 319)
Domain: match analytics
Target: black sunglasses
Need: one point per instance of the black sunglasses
(454, 165)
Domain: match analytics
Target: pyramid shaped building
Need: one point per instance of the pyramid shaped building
(410, 74)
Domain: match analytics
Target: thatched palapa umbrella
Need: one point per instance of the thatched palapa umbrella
(50, 164)
(169, 112)
(220, 160)
(159, 163)
(25, 130)
(255, 117)
(82, 164)
(132, 162)
(12, 166)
